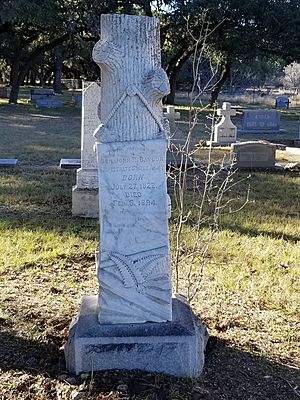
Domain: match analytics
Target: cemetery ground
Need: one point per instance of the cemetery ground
(249, 291)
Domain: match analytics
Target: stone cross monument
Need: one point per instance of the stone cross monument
(172, 116)
(134, 322)
(225, 130)
(85, 193)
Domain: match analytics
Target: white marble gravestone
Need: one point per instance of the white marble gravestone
(172, 116)
(134, 322)
(85, 193)
(225, 131)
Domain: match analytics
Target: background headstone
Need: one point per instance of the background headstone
(282, 102)
(85, 193)
(260, 121)
(172, 116)
(41, 93)
(225, 131)
(48, 103)
(254, 154)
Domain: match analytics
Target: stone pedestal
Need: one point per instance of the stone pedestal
(175, 348)
(85, 202)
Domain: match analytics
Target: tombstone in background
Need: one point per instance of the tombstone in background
(8, 162)
(48, 103)
(282, 102)
(254, 154)
(261, 121)
(70, 163)
(85, 193)
(134, 323)
(172, 116)
(41, 93)
(224, 131)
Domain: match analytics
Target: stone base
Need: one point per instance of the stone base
(85, 202)
(260, 131)
(219, 144)
(175, 348)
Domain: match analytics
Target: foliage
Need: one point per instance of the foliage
(292, 75)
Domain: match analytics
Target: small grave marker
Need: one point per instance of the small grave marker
(68, 163)
(48, 103)
(172, 116)
(41, 93)
(8, 162)
(254, 154)
(282, 102)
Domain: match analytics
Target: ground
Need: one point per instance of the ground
(249, 288)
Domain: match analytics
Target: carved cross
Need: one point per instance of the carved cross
(172, 116)
(226, 111)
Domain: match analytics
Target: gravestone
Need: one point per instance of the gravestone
(48, 103)
(172, 116)
(41, 93)
(8, 162)
(85, 193)
(134, 322)
(282, 102)
(261, 121)
(254, 154)
(224, 131)
(69, 163)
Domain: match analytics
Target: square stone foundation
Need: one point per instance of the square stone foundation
(175, 348)
(85, 202)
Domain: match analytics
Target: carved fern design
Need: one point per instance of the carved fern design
(135, 274)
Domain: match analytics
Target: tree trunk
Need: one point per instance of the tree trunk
(58, 64)
(224, 75)
(173, 77)
(13, 96)
(18, 74)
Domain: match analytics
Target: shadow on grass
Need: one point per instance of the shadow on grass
(252, 232)
(229, 373)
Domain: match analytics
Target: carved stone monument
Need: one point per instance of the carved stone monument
(134, 323)
(254, 154)
(224, 131)
(172, 116)
(85, 201)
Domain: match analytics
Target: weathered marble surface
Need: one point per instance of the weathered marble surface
(134, 265)
(254, 154)
(87, 175)
(175, 347)
(225, 130)
(134, 274)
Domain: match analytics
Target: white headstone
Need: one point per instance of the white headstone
(85, 193)
(135, 323)
(225, 130)
(172, 116)
(87, 175)
(134, 264)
